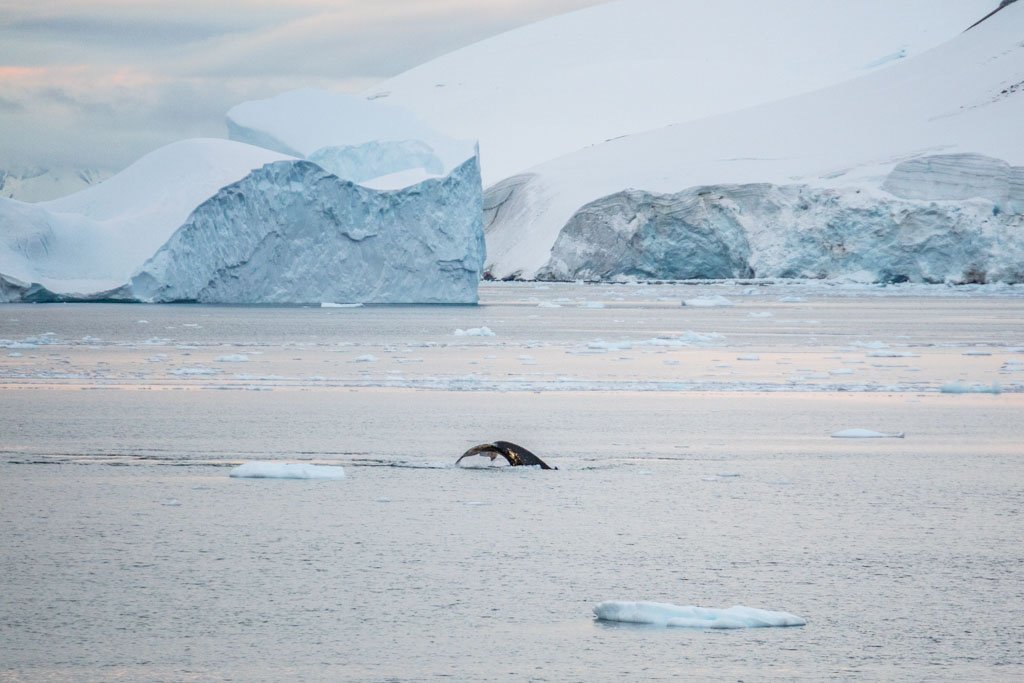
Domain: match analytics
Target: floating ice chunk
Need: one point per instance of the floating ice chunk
(194, 371)
(593, 304)
(7, 344)
(474, 332)
(233, 358)
(172, 502)
(891, 354)
(14, 354)
(365, 358)
(328, 304)
(977, 353)
(749, 356)
(760, 314)
(278, 470)
(664, 614)
(961, 388)
(792, 300)
(548, 304)
(601, 345)
(866, 434)
(708, 302)
(841, 371)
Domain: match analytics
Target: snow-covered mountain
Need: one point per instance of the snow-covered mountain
(42, 184)
(579, 79)
(827, 151)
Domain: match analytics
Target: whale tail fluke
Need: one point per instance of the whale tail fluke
(516, 455)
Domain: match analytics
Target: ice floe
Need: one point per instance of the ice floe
(278, 470)
(474, 332)
(708, 302)
(961, 388)
(866, 434)
(664, 614)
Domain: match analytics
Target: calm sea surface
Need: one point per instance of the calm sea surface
(696, 467)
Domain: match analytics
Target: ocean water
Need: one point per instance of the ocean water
(696, 467)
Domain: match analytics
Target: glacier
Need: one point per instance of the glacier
(941, 235)
(910, 172)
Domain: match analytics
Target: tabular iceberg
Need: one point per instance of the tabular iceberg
(291, 232)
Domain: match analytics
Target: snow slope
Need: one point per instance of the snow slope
(579, 79)
(42, 184)
(95, 239)
(839, 151)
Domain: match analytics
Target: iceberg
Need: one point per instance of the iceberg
(382, 211)
(291, 232)
(277, 470)
(664, 614)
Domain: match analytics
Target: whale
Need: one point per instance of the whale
(516, 455)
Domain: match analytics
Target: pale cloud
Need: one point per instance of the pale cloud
(101, 82)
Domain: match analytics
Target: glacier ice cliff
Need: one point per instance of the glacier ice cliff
(947, 218)
(292, 232)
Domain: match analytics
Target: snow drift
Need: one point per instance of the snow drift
(664, 614)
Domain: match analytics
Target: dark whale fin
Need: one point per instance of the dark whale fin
(516, 455)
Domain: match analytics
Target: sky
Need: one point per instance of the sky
(99, 83)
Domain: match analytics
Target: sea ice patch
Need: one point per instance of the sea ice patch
(664, 614)
(961, 388)
(474, 332)
(278, 470)
(708, 302)
(866, 434)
